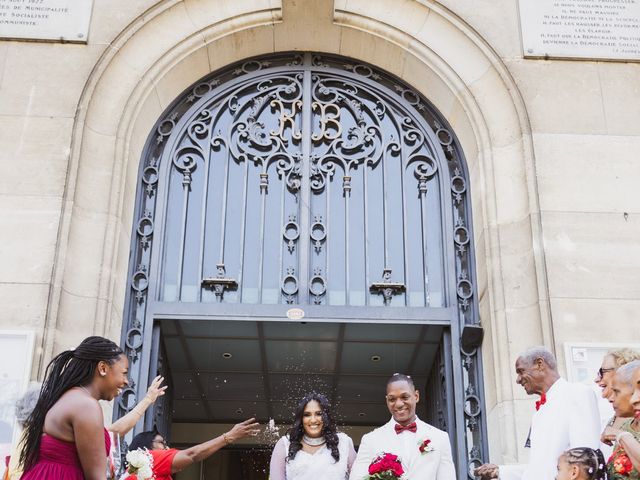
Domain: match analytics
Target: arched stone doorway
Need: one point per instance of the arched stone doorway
(173, 44)
(315, 182)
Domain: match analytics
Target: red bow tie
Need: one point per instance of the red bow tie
(411, 427)
(542, 401)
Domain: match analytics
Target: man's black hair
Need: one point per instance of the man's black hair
(401, 377)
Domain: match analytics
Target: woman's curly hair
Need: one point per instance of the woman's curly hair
(329, 428)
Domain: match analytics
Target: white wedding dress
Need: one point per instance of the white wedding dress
(307, 466)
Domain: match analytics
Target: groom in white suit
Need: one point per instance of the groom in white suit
(403, 435)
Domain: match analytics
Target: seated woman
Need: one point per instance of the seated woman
(581, 464)
(64, 437)
(167, 461)
(625, 460)
(312, 449)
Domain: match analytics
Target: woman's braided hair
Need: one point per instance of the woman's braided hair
(590, 461)
(71, 368)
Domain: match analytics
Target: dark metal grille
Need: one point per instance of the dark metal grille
(307, 180)
(305, 186)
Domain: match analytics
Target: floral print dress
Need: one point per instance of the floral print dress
(619, 465)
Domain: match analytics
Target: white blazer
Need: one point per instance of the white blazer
(435, 465)
(568, 419)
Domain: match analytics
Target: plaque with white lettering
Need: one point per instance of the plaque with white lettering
(581, 29)
(51, 20)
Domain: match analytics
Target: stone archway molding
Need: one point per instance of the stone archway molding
(176, 42)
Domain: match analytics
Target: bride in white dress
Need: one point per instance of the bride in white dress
(312, 449)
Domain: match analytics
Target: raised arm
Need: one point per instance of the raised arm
(197, 453)
(124, 424)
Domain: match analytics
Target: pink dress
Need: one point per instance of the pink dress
(58, 460)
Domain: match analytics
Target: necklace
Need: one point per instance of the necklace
(313, 442)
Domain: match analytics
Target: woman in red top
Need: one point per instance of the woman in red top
(170, 460)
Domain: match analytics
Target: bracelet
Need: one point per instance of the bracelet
(620, 434)
(226, 439)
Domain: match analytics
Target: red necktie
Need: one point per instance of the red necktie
(411, 427)
(542, 401)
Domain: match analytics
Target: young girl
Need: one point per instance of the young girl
(581, 464)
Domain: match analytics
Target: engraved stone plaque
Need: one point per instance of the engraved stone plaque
(52, 20)
(581, 29)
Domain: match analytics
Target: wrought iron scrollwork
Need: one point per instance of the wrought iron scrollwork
(289, 285)
(133, 343)
(150, 178)
(318, 233)
(473, 410)
(291, 233)
(363, 143)
(317, 286)
(145, 229)
(239, 132)
(140, 282)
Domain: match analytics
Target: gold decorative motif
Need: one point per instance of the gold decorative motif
(287, 119)
(329, 117)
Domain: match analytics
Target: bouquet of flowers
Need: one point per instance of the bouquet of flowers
(385, 466)
(620, 465)
(139, 465)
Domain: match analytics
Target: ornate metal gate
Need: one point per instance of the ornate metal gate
(313, 181)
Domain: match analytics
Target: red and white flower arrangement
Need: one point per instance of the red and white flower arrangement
(139, 465)
(619, 465)
(385, 466)
(425, 446)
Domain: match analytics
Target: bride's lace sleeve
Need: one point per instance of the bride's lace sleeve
(278, 458)
(352, 453)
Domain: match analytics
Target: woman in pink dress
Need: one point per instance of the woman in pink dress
(64, 437)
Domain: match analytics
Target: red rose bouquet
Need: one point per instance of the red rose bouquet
(385, 466)
(619, 465)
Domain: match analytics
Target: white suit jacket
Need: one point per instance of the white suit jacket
(435, 465)
(568, 419)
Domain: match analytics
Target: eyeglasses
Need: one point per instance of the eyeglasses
(602, 371)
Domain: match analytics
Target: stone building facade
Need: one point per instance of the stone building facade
(549, 144)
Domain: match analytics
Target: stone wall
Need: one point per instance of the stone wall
(549, 145)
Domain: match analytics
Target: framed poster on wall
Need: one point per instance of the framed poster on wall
(16, 355)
